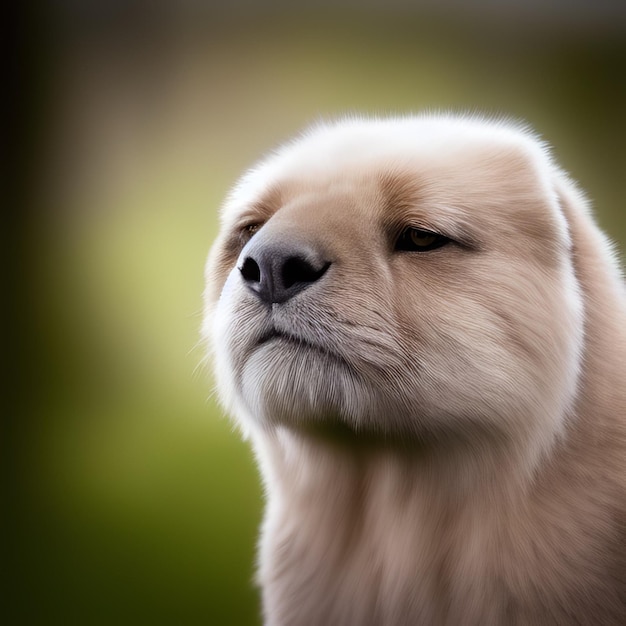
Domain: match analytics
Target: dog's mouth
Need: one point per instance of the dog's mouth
(277, 335)
(297, 341)
(271, 335)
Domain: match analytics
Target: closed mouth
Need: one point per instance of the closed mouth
(276, 334)
(295, 340)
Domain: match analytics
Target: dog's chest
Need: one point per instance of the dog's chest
(414, 568)
(348, 573)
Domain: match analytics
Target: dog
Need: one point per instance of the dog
(422, 331)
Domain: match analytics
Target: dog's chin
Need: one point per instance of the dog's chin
(290, 381)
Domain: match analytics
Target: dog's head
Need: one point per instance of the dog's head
(404, 277)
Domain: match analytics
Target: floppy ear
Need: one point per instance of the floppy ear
(594, 256)
(597, 270)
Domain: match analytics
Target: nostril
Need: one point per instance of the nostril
(250, 270)
(298, 270)
(277, 271)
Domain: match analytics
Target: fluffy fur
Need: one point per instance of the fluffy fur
(442, 434)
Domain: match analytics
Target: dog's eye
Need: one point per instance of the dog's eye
(249, 230)
(418, 240)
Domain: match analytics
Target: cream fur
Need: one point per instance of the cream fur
(442, 434)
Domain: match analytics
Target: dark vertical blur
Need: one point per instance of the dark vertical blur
(26, 91)
(133, 501)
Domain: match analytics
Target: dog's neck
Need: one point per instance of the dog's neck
(324, 488)
(336, 458)
(356, 509)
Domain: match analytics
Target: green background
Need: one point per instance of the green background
(135, 500)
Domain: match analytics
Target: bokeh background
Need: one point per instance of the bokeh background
(133, 499)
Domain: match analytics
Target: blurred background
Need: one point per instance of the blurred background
(132, 499)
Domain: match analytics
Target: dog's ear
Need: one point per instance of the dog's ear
(594, 259)
(594, 256)
(573, 203)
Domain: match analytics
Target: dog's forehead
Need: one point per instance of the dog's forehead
(440, 154)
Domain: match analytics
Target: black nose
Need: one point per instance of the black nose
(279, 271)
